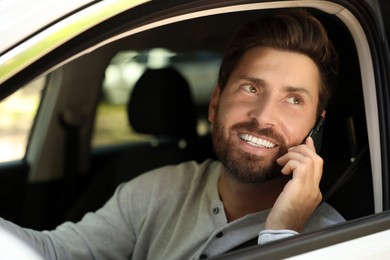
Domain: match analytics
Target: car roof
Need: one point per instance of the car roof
(49, 36)
(30, 16)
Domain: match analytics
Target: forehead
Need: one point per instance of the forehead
(274, 67)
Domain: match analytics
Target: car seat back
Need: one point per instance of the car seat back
(160, 105)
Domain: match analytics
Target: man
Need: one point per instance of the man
(273, 85)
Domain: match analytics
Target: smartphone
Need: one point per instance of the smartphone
(316, 133)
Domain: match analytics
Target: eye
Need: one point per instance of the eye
(296, 100)
(250, 89)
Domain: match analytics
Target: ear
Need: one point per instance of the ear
(214, 103)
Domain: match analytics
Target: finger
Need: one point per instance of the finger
(310, 143)
(290, 167)
(309, 163)
(291, 155)
(302, 167)
(307, 146)
(297, 152)
(305, 167)
(304, 150)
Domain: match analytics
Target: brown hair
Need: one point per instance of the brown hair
(292, 30)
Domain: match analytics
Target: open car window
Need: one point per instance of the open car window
(18, 112)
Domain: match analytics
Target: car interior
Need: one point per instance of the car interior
(63, 176)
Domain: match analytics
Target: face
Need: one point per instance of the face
(268, 105)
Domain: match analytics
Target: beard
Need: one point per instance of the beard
(243, 166)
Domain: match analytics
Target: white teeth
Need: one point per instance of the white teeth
(256, 141)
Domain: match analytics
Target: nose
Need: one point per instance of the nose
(265, 112)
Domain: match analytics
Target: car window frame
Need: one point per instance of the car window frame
(360, 30)
(373, 80)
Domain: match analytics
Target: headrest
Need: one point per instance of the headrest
(161, 104)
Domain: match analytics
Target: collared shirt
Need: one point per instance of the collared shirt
(169, 213)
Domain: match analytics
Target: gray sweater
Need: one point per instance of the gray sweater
(169, 213)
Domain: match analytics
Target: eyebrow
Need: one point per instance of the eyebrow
(257, 81)
(302, 90)
(297, 89)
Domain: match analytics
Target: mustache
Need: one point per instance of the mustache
(254, 127)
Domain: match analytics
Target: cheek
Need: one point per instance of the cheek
(234, 114)
(230, 112)
(295, 130)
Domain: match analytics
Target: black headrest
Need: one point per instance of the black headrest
(161, 104)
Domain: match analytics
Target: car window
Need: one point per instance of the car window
(200, 69)
(17, 116)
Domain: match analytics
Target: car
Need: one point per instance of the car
(84, 109)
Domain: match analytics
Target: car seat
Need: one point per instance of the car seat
(160, 105)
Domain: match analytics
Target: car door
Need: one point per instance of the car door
(60, 163)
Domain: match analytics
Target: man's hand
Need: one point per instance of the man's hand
(301, 195)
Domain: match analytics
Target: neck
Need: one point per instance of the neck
(241, 199)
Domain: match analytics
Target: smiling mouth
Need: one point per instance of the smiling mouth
(255, 141)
